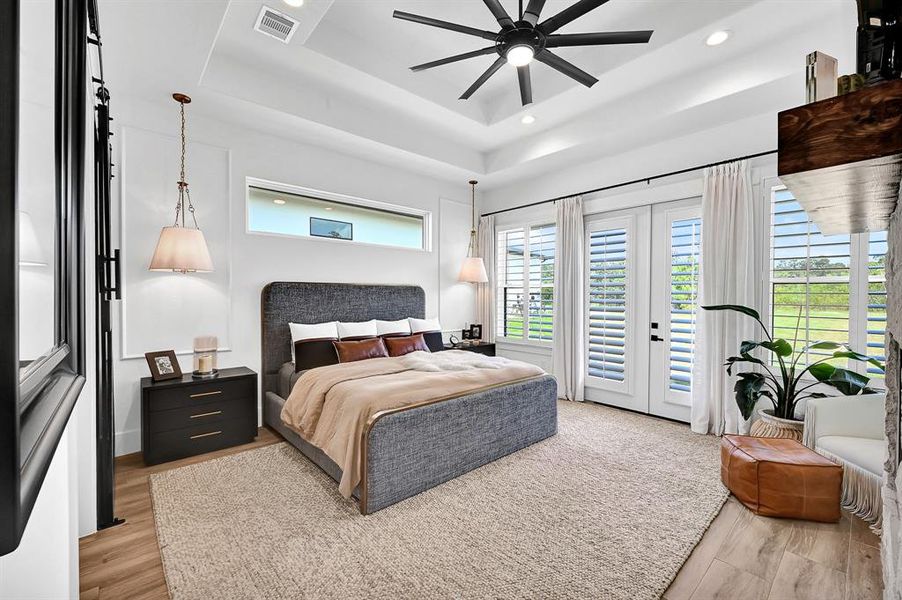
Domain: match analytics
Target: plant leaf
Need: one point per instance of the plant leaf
(848, 382)
(748, 391)
(821, 371)
(735, 307)
(780, 347)
(823, 345)
(851, 354)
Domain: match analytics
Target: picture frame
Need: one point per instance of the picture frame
(328, 228)
(163, 365)
(476, 331)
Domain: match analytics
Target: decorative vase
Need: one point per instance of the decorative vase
(770, 426)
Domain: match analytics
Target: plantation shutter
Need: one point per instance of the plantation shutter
(810, 279)
(685, 249)
(525, 268)
(541, 281)
(876, 308)
(511, 291)
(607, 304)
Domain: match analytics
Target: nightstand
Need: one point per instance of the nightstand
(188, 416)
(480, 348)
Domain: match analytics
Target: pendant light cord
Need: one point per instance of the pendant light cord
(183, 185)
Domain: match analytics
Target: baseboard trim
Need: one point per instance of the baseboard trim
(128, 442)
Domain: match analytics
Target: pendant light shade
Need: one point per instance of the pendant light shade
(181, 248)
(473, 269)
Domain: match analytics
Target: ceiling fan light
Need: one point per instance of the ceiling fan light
(520, 55)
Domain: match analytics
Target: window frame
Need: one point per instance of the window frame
(858, 284)
(52, 384)
(297, 190)
(499, 318)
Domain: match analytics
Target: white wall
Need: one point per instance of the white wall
(255, 260)
(45, 565)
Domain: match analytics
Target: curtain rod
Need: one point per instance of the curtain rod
(634, 181)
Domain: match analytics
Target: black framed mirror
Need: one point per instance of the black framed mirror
(42, 142)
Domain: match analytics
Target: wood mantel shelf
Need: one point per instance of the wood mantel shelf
(842, 158)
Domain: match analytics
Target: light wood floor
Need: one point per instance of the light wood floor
(743, 556)
(740, 556)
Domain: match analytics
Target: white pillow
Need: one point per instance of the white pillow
(315, 331)
(421, 325)
(401, 327)
(363, 329)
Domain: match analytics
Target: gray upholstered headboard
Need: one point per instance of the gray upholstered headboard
(284, 302)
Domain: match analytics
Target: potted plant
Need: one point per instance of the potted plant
(782, 379)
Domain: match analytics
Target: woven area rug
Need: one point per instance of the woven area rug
(610, 507)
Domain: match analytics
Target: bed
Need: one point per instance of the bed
(408, 450)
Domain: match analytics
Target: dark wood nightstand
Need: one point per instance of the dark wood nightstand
(480, 348)
(187, 416)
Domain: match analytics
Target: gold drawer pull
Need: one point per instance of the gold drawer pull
(207, 414)
(206, 394)
(203, 435)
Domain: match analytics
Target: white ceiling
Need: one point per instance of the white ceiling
(344, 82)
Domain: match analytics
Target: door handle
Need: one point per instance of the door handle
(656, 338)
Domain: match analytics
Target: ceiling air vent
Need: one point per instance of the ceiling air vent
(276, 24)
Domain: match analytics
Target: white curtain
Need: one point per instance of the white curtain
(568, 353)
(485, 292)
(733, 270)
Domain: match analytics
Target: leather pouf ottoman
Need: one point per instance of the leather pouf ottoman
(779, 477)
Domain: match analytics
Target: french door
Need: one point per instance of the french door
(642, 292)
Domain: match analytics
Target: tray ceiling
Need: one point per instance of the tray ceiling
(345, 75)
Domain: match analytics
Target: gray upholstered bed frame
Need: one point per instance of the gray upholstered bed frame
(408, 450)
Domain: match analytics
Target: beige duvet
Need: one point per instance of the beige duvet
(330, 406)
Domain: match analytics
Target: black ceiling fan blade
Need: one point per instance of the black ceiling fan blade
(484, 77)
(405, 16)
(598, 39)
(525, 85)
(569, 69)
(455, 58)
(567, 15)
(533, 10)
(504, 19)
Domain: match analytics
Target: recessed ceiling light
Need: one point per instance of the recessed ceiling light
(278, 201)
(528, 119)
(717, 38)
(294, 3)
(328, 208)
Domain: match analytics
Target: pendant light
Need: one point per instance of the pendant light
(182, 249)
(473, 269)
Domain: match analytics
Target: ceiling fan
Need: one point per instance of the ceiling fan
(521, 41)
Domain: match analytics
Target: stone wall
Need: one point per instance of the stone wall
(892, 481)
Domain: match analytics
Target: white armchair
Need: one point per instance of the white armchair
(849, 430)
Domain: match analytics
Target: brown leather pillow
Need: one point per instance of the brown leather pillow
(401, 345)
(360, 350)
